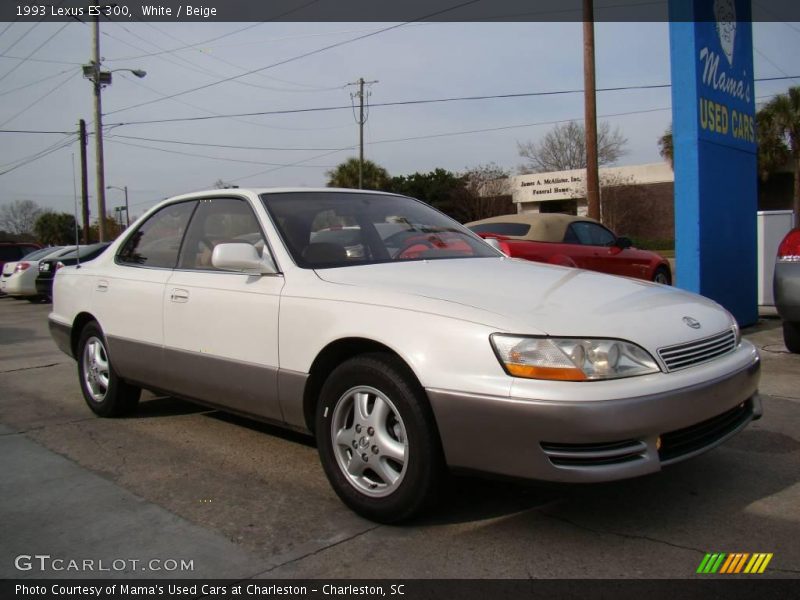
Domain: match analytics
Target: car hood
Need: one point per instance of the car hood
(525, 297)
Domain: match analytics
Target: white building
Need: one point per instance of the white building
(564, 191)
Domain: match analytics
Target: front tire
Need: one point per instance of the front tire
(377, 439)
(105, 393)
(791, 336)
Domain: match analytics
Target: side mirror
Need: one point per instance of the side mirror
(241, 257)
(494, 243)
(624, 242)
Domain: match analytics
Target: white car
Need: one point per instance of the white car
(19, 278)
(429, 349)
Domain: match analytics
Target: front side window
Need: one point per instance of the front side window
(219, 221)
(336, 229)
(156, 242)
(589, 234)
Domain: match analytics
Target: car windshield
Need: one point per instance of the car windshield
(85, 251)
(336, 229)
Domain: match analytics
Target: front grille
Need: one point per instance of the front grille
(696, 437)
(694, 353)
(593, 455)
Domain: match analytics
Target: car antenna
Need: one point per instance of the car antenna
(77, 235)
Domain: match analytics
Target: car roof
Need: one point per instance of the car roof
(544, 227)
(271, 190)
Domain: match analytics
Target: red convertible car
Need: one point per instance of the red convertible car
(573, 242)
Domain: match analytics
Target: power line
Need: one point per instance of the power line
(219, 115)
(188, 143)
(184, 47)
(39, 155)
(42, 60)
(397, 103)
(425, 101)
(34, 131)
(298, 57)
(219, 37)
(251, 162)
(32, 83)
(310, 88)
(39, 47)
(7, 27)
(20, 38)
(39, 99)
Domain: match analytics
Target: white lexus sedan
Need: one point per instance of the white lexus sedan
(426, 349)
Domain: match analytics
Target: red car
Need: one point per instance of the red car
(573, 242)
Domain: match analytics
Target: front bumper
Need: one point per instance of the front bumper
(591, 441)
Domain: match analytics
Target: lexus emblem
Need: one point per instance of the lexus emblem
(693, 323)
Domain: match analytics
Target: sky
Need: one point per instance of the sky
(415, 61)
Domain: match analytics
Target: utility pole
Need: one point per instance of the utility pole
(99, 78)
(84, 183)
(362, 119)
(590, 112)
(100, 183)
(127, 210)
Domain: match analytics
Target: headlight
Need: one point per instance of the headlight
(568, 359)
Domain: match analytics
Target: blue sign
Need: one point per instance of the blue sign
(714, 141)
(725, 75)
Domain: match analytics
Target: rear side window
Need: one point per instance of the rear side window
(516, 229)
(157, 241)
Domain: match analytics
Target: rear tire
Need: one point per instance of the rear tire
(791, 336)
(105, 393)
(377, 439)
(662, 276)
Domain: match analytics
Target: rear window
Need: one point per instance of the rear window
(514, 229)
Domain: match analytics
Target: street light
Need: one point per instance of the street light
(125, 208)
(99, 78)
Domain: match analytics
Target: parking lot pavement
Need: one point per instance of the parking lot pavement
(242, 499)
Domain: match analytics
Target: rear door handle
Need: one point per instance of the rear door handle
(102, 286)
(179, 295)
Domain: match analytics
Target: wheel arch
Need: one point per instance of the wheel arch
(330, 357)
(80, 321)
(661, 264)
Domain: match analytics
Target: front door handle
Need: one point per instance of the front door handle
(102, 286)
(179, 295)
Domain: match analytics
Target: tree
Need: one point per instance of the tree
(19, 217)
(113, 230)
(782, 120)
(484, 194)
(439, 188)
(665, 147)
(55, 229)
(564, 148)
(220, 184)
(345, 175)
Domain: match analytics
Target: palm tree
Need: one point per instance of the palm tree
(665, 148)
(773, 153)
(345, 175)
(784, 115)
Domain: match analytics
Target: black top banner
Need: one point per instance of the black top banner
(366, 10)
